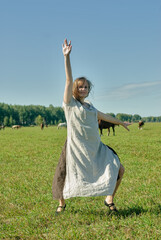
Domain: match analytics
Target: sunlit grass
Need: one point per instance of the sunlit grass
(28, 159)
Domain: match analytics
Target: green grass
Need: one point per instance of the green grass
(28, 159)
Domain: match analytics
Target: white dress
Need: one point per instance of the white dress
(91, 167)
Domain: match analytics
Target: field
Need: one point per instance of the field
(28, 159)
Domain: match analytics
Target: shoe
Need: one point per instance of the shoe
(58, 212)
(111, 206)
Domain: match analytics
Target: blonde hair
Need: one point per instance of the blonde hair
(75, 86)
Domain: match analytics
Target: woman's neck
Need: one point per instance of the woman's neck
(82, 100)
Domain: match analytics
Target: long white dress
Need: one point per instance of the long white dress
(91, 167)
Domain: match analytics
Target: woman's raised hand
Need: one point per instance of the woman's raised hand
(67, 47)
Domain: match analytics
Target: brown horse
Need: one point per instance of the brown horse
(42, 126)
(106, 125)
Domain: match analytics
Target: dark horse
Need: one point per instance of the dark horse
(106, 125)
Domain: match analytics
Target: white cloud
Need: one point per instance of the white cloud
(131, 90)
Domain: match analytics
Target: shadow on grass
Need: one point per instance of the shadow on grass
(138, 210)
(126, 212)
(133, 211)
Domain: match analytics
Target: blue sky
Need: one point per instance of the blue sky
(115, 44)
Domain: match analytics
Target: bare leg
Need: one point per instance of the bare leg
(109, 198)
(121, 173)
(62, 204)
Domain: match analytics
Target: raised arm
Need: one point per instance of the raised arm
(68, 71)
(109, 118)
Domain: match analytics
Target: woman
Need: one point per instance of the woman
(87, 167)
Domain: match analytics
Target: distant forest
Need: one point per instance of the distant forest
(37, 114)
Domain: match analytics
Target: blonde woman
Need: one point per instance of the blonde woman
(87, 167)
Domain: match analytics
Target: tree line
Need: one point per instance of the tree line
(136, 118)
(30, 115)
(37, 114)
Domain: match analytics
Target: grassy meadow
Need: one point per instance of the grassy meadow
(28, 159)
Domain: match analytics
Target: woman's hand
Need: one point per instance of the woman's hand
(125, 125)
(109, 118)
(66, 47)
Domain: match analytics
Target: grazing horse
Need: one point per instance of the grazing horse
(2, 127)
(106, 125)
(42, 126)
(141, 124)
(16, 126)
(60, 125)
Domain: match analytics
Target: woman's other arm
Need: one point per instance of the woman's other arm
(109, 118)
(68, 71)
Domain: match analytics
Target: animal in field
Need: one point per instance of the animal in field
(2, 127)
(42, 126)
(16, 126)
(106, 125)
(60, 125)
(141, 124)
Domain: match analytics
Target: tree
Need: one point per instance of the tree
(112, 114)
(11, 121)
(38, 120)
(120, 116)
(6, 121)
(136, 118)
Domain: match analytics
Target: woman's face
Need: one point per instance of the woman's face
(83, 89)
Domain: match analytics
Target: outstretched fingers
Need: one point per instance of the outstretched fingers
(66, 47)
(125, 126)
(66, 43)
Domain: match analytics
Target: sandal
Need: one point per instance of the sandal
(63, 209)
(111, 206)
